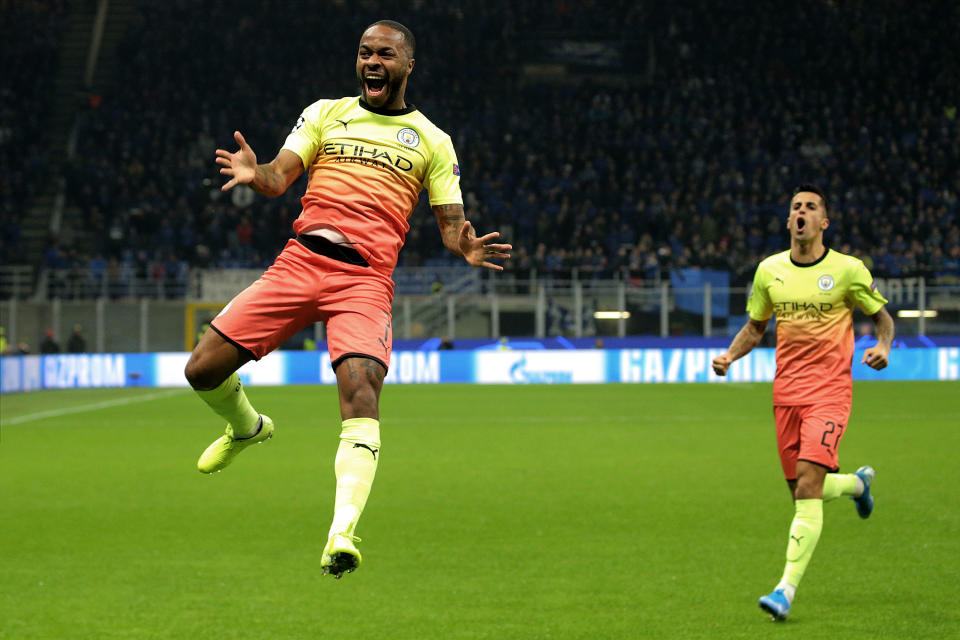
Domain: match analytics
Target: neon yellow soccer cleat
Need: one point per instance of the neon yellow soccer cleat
(225, 448)
(340, 555)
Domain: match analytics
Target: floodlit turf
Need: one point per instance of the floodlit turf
(620, 511)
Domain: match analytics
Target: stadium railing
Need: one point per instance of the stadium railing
(149, 316)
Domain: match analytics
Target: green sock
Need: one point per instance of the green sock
(839, 484)
(230, 403)
(355, 466)
(804, 534)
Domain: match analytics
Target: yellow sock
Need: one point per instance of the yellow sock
(804, 534)
(355, 466)
(839, 484)
(230, 402)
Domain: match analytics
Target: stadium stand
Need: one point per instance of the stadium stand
(31, 33)
(606, 137)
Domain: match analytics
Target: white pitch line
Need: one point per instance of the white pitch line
(53, 413)
(564, 419)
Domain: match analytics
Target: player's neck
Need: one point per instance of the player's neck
(807, 252)
(396, 106)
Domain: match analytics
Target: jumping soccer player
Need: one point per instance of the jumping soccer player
(812, 290)
(368, 157)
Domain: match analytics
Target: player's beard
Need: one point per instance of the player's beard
(393, 88)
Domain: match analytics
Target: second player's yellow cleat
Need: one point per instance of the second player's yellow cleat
(225, 448)
(340, 555)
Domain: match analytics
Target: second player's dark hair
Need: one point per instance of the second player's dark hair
(408, 38)
(812, 188)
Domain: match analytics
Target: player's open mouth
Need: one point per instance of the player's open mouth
(375, 85)
(801, 223)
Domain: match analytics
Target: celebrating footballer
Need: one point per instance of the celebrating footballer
(368, 158)
(812, 290)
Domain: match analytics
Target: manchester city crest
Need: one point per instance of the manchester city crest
(408, 137)
(825, 282)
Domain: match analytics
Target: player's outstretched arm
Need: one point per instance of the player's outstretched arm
(879, 356)
(746, 339)
(269, 179)
(459, 237)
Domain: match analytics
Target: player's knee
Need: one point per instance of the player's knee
(360, 381)
(809, 487)
(201, 378)
(362, 400)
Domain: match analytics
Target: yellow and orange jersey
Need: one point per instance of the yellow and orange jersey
(814, 305)
(367, 168)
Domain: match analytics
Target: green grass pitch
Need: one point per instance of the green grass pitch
(618, 511)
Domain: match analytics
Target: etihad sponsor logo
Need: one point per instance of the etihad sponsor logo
(373, 156)
(802, 306)
(801, 310)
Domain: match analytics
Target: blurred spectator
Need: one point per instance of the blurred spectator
(77, 343)
(49, 345)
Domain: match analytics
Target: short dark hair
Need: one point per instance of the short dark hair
(812, 188)
(408, 38)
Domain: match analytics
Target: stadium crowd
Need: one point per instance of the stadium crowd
(31, 33)
(673, 140)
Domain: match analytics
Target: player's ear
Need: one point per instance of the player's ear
(410, 65)
(824, 223)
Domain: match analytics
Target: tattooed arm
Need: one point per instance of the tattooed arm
(450, 219)
(269, 179)
(459, 237)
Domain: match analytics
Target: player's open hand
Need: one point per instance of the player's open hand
(479, 251)
(877, 357)
(721, 363)
(241, 165)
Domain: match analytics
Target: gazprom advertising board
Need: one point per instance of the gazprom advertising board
(553, 366)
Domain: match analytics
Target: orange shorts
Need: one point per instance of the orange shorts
(303, 287)
(811, 433)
